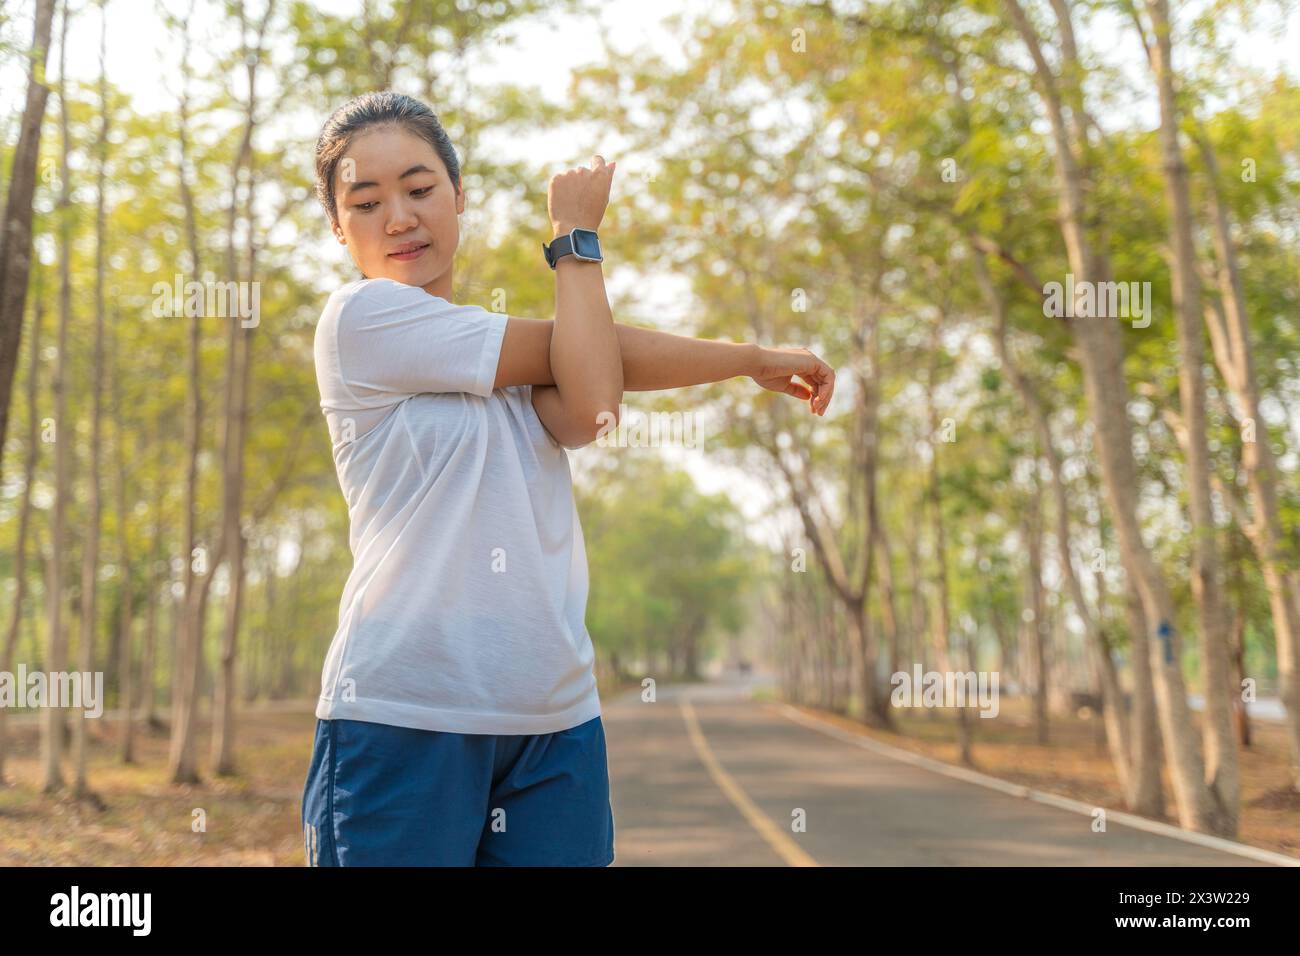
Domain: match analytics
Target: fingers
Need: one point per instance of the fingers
(811, 391)
(596, 165)
(799, 390)
(822, 382)
(826, 389)
(579, 196)
(818, 376)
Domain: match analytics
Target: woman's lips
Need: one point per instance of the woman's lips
(408, 256)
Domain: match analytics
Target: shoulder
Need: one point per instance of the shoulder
(373, 290)
(340, 298)
(355, 301)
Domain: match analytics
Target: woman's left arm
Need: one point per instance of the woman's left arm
(584, 350)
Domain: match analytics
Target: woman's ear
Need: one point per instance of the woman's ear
(460, 197)
(338, 233)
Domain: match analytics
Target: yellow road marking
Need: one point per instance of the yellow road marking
(780, 841)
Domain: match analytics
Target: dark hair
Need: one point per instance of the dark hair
(376, 109)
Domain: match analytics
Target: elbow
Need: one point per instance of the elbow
(602, 418)
(579, 438)
(591, 424)
(606, 418)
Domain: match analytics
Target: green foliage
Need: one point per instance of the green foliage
(668, 564)
(830, 197)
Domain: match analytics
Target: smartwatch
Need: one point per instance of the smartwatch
(580, 243)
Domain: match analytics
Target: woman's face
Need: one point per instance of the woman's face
(392, 191)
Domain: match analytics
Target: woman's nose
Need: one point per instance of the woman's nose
(401, 217)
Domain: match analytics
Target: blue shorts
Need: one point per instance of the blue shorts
(380, 795)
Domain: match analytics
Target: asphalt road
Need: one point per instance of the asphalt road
(706, 776)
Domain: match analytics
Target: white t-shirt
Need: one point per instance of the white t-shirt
(465, 608)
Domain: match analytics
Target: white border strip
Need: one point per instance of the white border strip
(1039, 796)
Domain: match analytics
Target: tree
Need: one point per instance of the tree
(16, 228)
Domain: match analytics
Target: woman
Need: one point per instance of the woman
(458, 722)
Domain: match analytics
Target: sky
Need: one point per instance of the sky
(142, 59)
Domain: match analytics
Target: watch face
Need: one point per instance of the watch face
(586, 244)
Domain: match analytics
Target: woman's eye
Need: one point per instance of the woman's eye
(366, 206)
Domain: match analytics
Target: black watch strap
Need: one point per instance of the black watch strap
(562, 246)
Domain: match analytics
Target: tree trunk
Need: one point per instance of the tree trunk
(1115, 717)
(52, 739)
(1145, 750)
(1234, 354)
(943, 615)
(25, 509)
(148, 684)
(1038, 610)
(16, 229)
(238, 376)
(1101, 355)
(90, 556)
(126, 620)
(888, 600)
(193, 604)
(1222, 774)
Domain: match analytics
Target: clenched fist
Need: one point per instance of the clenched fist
(576, 198)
